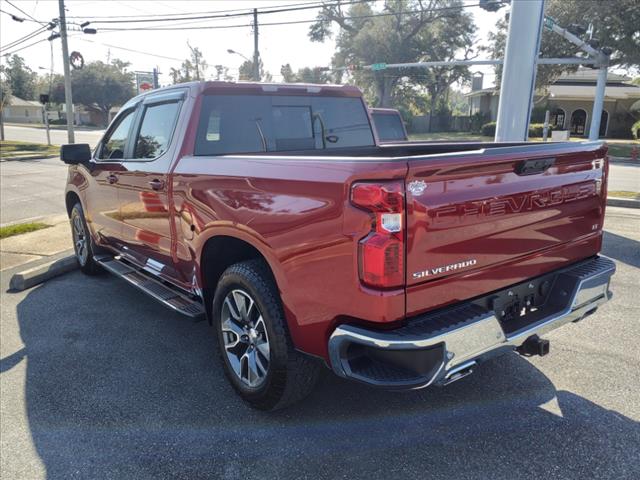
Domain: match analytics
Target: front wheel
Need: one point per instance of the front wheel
(82, 244)
(256, 350)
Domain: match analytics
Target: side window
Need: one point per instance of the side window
(114, 143)
(156, 130)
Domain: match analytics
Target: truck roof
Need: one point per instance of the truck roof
(258, 88)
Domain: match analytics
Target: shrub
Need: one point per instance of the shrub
(536, 129)
(621, 125)
(489, 129)
(635, 130)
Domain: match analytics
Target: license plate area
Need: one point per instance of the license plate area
(529, 302)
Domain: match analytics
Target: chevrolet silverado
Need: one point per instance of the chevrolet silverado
(274, 212)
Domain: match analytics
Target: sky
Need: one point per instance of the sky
(145, 50)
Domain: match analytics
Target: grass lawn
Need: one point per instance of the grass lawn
(623, 194)
(449, 136)
(10, 148)
(21, 228)
(622, 148)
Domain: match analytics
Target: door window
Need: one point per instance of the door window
(156, 129)
(115, 142)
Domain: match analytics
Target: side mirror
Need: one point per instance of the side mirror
(75, 153)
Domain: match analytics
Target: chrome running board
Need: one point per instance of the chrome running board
(166, 294)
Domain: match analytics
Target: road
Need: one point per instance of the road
(99, 381)
(624, 178)
(31, 189)
(58, 137)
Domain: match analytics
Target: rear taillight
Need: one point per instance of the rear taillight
(381, 252)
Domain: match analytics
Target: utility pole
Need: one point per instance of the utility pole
(519, 70)
(256, 54)
(67, 73)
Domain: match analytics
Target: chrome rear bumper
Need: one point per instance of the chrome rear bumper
(443, 346)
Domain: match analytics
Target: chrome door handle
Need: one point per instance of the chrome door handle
(156, 184)
(112, 179)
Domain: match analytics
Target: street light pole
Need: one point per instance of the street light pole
(519, 70)
(67, 73)
(256, 54)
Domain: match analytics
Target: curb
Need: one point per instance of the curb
(623, 161)
(623, 202)
(26, 157)
(33, 276)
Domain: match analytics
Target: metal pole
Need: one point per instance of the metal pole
(519, 72)
(256, 54)
(67, 73)
(598, 103)
(46, 123)
(545, 129)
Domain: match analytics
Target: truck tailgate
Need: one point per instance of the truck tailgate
(481, 214)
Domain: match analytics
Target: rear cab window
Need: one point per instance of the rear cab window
(277, 123)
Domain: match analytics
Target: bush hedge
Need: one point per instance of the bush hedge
(489, 129)
(635, 130)
(535, 129)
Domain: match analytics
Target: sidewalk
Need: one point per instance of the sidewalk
(25, 248)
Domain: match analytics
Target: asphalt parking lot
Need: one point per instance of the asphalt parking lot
(99, 381)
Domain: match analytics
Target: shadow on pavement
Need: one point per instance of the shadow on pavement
(621, 248)
(119, 387)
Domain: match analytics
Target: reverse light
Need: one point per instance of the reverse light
(381, 252)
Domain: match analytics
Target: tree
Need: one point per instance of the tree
(222, 74)
(403, 32)
(614, 26)
(246, 71)
(99, 86)
(192, 69)
(5, 99)
(21, 79)
(304, 75)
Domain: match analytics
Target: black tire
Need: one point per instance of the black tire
(82, 242)
(290, 375)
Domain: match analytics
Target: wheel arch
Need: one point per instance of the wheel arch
(70, 199)
(222, 250)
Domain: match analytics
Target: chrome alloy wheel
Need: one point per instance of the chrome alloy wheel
(79, 239)
(245, 338)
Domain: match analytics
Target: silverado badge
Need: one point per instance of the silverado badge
(417, 187)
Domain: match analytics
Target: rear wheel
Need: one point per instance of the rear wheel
(256, 350)
(82, 243)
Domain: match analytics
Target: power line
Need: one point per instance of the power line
(241, 13)
(25, 47)
(173, 15)
(130, 49)
(292, 22)
(25, 13)
(23, 39)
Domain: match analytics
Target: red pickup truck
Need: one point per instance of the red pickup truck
(273, 211)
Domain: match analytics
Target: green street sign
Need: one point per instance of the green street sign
(378, 66)
(549, 23)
